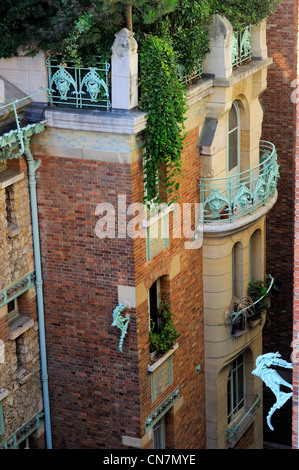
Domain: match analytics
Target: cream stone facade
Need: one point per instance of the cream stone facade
(234, 250)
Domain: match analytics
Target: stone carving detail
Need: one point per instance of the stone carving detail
(125, 43)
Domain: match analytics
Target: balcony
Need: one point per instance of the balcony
(227, 199)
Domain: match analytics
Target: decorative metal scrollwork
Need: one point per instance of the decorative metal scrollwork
(243, 196)
(93, 83)
(216, 200)
(259, 190)
(63, 82)
(245, 46)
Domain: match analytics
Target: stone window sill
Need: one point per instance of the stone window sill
(19, 326)
(9, 177)
(152, 367)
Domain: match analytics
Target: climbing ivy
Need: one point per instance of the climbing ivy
(163, 98)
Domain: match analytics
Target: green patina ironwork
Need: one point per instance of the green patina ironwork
(186, 79)
(15, 139)
(162, 409)
(121, 322)
(79, 87)
(233, 316)
(241, 46)
(233, 432)
(17, 288)
(244, 193)
(23, 432)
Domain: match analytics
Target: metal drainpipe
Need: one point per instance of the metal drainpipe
(33, 165)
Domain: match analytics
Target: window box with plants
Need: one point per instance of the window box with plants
(249, 309)
(163, 340)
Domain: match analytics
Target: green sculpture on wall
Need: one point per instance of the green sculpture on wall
(273, 380)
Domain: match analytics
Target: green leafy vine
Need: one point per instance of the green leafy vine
(162, 96)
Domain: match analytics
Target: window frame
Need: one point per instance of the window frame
(13, 314)
(160, 425)
(235, 170)
(157, 286)
(233, 402)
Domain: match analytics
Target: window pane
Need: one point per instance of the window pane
(236, 388)
(233, 150)
(233, 118)
(159, 438)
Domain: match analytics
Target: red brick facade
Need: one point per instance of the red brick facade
(97, 394)
(279, 127)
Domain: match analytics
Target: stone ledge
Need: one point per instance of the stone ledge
(243, 71)
(155, 365)
(115, 121)
(9, 177)
(19, 326)
(3, 393)
(23, 376)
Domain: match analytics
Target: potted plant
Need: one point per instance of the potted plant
(162, 340)
(259, 294)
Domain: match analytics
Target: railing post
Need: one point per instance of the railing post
(124, 71)
(258, 40)
(219, 61)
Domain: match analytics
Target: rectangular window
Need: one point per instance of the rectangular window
(159, 434)
(236, 388)
(12, 310)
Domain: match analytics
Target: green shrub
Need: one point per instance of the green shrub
(163, 340)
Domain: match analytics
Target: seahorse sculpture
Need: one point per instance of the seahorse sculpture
(273, 380)
(121, 322)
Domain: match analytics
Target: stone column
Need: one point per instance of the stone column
(219, 61)
(259, 41)
(124, 71)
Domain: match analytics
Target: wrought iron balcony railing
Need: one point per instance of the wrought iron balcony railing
(241, 46)
(233, 197)
(79, 87)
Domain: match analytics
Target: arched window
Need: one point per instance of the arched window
(237, 270)
(233, 140)
(255, 256)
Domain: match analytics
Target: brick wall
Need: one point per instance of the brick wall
(279, 128)
(97, 394)
(93, 387)
(186, 299)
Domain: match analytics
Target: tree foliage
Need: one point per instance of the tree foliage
(240, 12)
